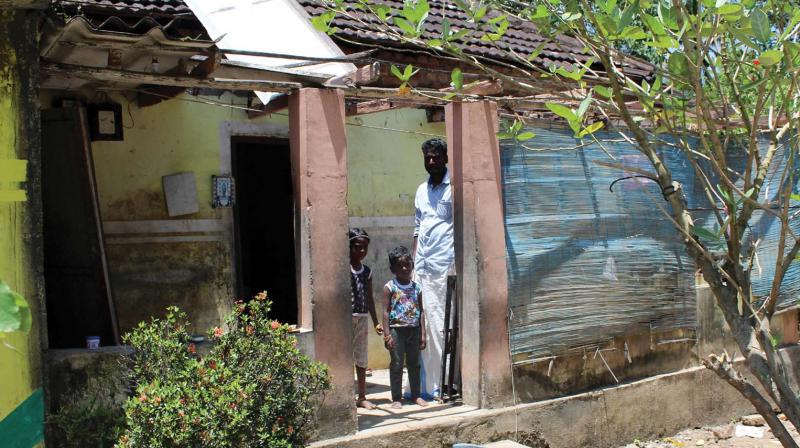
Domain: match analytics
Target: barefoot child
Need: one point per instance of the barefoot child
(404, 319)
(361, 297)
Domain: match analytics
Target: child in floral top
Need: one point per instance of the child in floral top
(404, 318)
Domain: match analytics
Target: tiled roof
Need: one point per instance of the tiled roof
(521, 37)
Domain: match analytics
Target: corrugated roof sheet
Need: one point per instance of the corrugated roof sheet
(134, 6)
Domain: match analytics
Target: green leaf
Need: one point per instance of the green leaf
(537, 51)
(541, 13)
(479, 14)
(405, 26)
(502, 135)
(591, 129)
(603, 91)
(584, 106)
(562, 111)
(627, 16)
(705, 234)
(408, 72)
(396, 72)
(525, 136)
(457, 78)
(760, 24)
(655, 26)
(678, 65)
(458, 34)
(668, 17)
(321, 22)
(382, 11)
(633, 33)
(10, 319)
(730, 9)
(741, 35)
(770, 57)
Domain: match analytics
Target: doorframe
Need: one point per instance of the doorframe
(229, 131)
(268, 142)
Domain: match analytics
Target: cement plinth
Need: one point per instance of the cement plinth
(610, 417)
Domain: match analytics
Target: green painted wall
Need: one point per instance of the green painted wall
(21, 403)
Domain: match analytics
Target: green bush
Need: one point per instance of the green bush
(253, 388)
(89, 418)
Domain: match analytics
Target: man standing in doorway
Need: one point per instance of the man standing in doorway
(433, 256)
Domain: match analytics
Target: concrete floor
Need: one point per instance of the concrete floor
(384, 417)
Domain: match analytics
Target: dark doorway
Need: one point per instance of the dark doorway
(76, 280)
(264, 216)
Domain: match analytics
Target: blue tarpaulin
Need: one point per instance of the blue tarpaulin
(586, 264)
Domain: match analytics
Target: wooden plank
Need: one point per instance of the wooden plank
(86, 143)
(486, 87)
(133, 77)
(786, 325)
(371, 107)
(353, 57)
(364, 76)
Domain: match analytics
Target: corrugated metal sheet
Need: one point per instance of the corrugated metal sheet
(587, 265)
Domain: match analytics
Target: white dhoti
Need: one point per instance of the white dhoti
(434, 295)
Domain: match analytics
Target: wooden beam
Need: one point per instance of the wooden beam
(138, 78)
(209, 66)
(364, 76)
(350, 58)
(371, 107)
(486, 87)
(277, 104)
(135, 46)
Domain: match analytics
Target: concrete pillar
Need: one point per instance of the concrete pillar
(474, 155)
(319, 164)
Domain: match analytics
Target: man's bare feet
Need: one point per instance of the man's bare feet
(397, 405)
(364, 403)
(420, 402)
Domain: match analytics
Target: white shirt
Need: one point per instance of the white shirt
(433, 227)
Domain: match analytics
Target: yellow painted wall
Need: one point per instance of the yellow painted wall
(178, 135)
(183, 134)
(19, 353)
(384, 162)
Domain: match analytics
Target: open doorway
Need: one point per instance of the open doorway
(264, 223)
(79, 304)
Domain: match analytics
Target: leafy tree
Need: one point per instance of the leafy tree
(724, 88)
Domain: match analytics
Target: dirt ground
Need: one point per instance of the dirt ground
(748, 432)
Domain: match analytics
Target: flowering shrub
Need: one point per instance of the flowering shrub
(252, 389)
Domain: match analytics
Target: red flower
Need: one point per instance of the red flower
(192, 348)
(218, 332)
(212, 364)
(275, 325)
(249, 330)
(756, 62)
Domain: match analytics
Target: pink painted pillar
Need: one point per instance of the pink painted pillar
(474, 155)
(319, 164)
